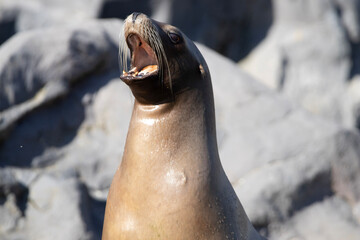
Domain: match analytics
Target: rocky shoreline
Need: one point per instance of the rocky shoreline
(64, 115)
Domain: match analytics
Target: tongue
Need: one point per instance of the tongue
(149, 68)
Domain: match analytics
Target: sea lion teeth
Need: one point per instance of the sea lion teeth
(148, 69)
(133, 73)
(133, 70)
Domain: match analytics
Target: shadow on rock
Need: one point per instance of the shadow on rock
(36, 137)
(40, 68)
(232, 28)
(122, 9)
(7, 30)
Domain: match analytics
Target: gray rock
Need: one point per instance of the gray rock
(256, 122)
(57, 204)
(331, 219)
(286, 186)
(93, 151)
(352, 103)
(10, 215)
(7, 23)
(97, 148)
(356, 212)
(41, 65)
(122, 8)
(346, 178)
(13, 200)
(9, 183)
(307, 54)
(81, 134)
(33, 14)
(231, 28)
(279, 158)
(349, 13)
(14, 191)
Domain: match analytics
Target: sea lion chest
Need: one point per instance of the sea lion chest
(164, 183)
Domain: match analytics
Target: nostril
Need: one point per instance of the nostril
(140, 43)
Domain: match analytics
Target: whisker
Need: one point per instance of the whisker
(160, 52)
(124, 53)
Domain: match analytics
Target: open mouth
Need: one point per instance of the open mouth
(143, 60)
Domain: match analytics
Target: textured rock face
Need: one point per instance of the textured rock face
(40, 66)
(33, 14)
(69, 170)
(53, 199)
(267, 147)
(220, 24)
(310, 55)
(230, 27)
(332, 214)
(64, 116)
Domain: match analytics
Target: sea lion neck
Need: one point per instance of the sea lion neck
(176, 125)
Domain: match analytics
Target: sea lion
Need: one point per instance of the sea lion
(170, 184)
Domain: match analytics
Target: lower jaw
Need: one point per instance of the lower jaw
(150, 90)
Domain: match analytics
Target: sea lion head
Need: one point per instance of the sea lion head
(163, 61)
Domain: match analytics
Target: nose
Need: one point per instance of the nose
(134, 16)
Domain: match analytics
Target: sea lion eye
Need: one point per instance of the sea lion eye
(175, 38)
